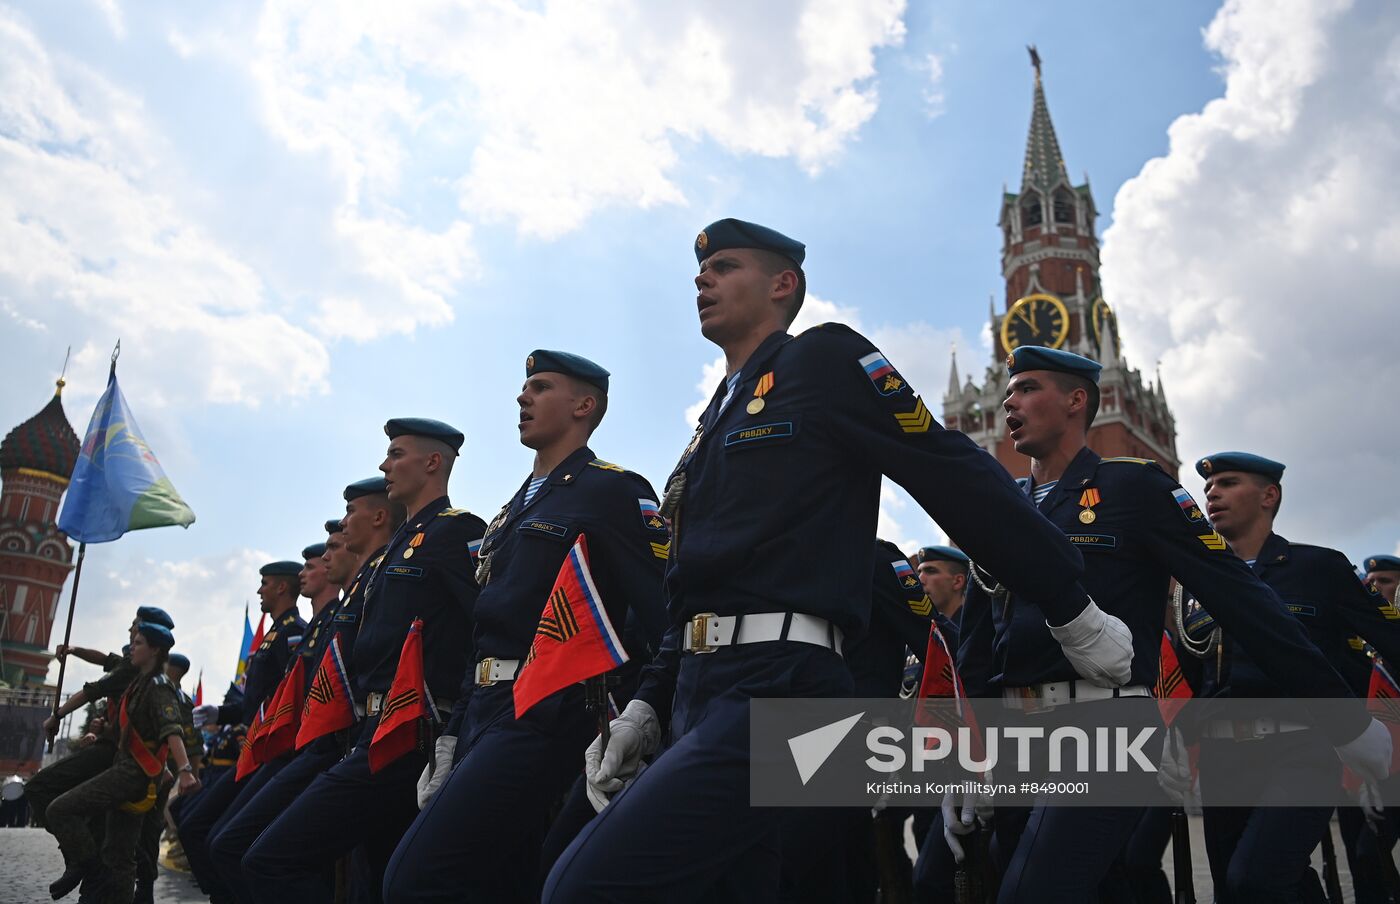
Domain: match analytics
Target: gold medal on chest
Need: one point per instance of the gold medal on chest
(1087, 516)
(408, 553)
(755, 406)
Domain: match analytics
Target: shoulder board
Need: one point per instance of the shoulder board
(452, 513)
(1129, 460)
(829, 327)
(160, 678)
(606, 466)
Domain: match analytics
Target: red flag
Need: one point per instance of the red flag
(257, 638)
(199, 690)
(1383, 702)
(404, 707)
(574, 641)
(247, 756)
(1171, 691)
(941, 681)
(329, 706)
(279, 731)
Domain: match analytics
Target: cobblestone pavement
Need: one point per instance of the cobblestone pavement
(29, 861)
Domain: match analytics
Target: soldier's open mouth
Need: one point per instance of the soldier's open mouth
(1014, 423)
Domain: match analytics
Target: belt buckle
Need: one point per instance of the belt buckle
(483, 672)
(1031, 700)
(700, 633)
(373, 704)
(1245, 729)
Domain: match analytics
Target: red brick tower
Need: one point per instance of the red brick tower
(1050, 261)
(36, 459)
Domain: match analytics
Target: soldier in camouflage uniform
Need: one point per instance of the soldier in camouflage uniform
(149, 720)
(148, 850)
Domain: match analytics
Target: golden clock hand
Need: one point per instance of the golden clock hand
(1034, 329)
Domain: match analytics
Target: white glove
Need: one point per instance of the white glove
(1372, 807)
(960, 814)
(1098, 645)
(435, 773)
(634, 734)
(1174, 771)
(600, 799)
(205, 714)
(1368, 754)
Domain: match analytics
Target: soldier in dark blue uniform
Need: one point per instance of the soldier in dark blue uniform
(479, 837)
(1137, 528)
(1383, 576)
(1262, 853)
(426, 573)
(278, 591)
(370, 517)
(778, 486)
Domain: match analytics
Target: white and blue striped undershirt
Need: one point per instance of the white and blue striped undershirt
(1042, 490)
(535, 484)
(733, 381)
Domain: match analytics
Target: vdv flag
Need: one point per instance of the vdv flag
(574, 641)
(239, 671)
(117, 484)
(328, 705)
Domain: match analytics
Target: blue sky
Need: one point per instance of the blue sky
(302, 219)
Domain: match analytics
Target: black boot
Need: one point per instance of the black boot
(72, 877)
(145, 893)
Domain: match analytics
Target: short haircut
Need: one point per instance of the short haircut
(1071, 382)
(1262, 481)
(773, 264)
(429, 445)
(290, 583)
(583, 387)
(398, 513)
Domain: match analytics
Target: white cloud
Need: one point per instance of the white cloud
(205, 598)
(933, 91)
(560, 108)
(1258, 259)
(113, 14)
(90, 239)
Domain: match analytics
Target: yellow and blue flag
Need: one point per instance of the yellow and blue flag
(117, 484)
(240, 671)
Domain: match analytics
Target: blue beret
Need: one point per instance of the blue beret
(155, 616)
(314, 551)
(180, 661)
(1038, 357)
(1383, 563)
(544, 360)
(369, 486)
(425, 426)
(731, 233)
(335, 525)
(281, 569)
(1240, 461)
(156, 635)
(942, 553)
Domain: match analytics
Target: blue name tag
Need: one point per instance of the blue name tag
(759, 433)
(404, 571)
(348, 617)
(1301, 609)
(544, 527)
(1096, 541)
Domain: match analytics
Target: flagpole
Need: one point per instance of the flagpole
(68, 633)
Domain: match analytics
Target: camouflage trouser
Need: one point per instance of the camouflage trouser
(66, 774)
(103, 795)
(148, 849)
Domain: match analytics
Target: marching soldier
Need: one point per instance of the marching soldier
(153, 823)
(149, 720)
(943, 574)
(426, 573)
(1383, 576)
(777, 487)
(277, 590)
(478, 838)
(1137, 528)
(1263, 853)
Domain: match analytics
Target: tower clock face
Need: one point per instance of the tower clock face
(1035, 320)
(1103, 319)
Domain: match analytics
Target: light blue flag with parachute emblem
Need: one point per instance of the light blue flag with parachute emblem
(117, 484)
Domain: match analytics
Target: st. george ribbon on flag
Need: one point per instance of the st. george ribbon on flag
(116, 486)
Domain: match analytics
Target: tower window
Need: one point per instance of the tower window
(1030, 211)
(1064, 207)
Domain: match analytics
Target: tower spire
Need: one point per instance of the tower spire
(1044, 167)
(953, 386)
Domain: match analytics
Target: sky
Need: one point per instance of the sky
(303, 218)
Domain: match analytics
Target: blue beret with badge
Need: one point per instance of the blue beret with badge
(180, 661)
(731, 233)
(542, 360)
(425, 426)
(158, 636)
(942, 554)
(1240, 461)
(1038, 357)
(154, 615)
(1383, 563)
(335, 525)
(282, 569)
(370, 486)
(314, 551)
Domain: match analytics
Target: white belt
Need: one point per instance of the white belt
(1249, 729)
(491, 670)
(708, 631)
(1039, 697)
